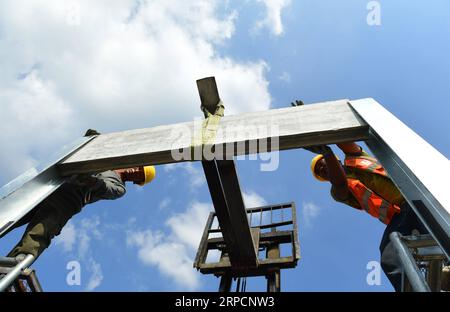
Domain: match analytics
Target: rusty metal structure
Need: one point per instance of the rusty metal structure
(17, 276)
(422, 261)
(271, 228)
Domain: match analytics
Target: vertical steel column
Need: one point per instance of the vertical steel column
(417, 169)
(273, 281)
(34, 282)
(435, 275)
(226, 193)
(202, 252)
(273, 277)
(225, 283)
(230, 210)
(220, 206)
(409, 265)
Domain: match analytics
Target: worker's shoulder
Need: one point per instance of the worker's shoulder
(107, 174)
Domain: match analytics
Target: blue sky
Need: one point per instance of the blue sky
(68, 67)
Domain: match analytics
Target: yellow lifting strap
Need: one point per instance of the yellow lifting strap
(210, 125)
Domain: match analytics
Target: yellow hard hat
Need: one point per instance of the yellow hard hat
(313, 167)
(150, 173)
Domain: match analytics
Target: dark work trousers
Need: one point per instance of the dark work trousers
(404, 223)
(44, 223)
(47, 219)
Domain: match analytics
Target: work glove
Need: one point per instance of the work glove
(319, 149)
(91, 132)
(297, 103)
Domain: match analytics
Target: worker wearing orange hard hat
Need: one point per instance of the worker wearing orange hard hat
(48, 218)
(362, 183)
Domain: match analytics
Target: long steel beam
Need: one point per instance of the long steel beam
(284, 128)
(20, 196)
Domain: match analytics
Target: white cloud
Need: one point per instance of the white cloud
(173, 247)
(253, 199)
(89, 229)
(67, 237)
(285, 76)
(192, 172)
(272, 19)
(172, 167)
(176, 248)
(71, 65)
(31, 112)
(164, 203)
(310, 211)
(196, 175)
(96, 277)
(188, 226)
(166, 254)
(81, 236)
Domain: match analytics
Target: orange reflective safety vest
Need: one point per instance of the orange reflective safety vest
(374, 204)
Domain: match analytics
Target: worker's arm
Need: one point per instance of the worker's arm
(350, 148)
(108, 185)
(336, 175)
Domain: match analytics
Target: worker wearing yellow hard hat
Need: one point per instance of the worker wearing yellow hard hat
(138, 175)
(149, 175)
(320, 172)
(314, 162)
(48, 218)
(362, 182)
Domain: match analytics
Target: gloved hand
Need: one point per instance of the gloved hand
(297, 103)
(319, 149)
(91, 132)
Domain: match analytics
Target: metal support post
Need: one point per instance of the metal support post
(15, 272)
(435, 275)
(409, 265)
(274, 277)
(225, 283)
